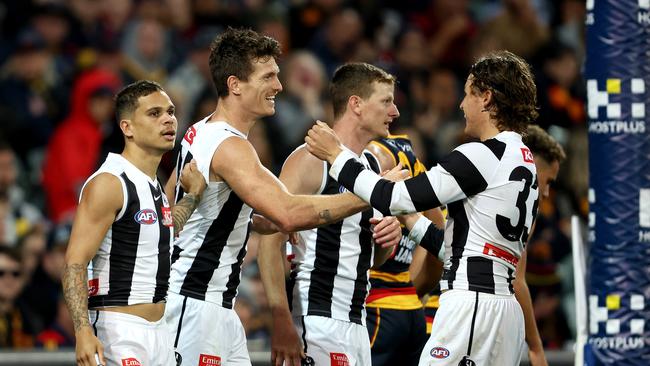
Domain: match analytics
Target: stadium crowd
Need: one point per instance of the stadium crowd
(62, 61)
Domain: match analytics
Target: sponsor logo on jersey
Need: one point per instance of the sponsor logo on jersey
(167, 219)
(528, 156)
(93, 286)
(339, 359)
(439, 352)
(146, 216)
(189, 135)
(130, 362)
(209, 360)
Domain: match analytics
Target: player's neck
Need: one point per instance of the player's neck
(351, 135)
(234, 115)
(146, 162)
(489, 131)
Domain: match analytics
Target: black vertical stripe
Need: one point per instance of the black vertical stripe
(510, 278)
(381, 196)
(467, 176)
(289, 285)
(433, 239)
(480, 274)
(349, 173)
(421, 193)
(208, 256)
(164, 242)
(176, 253)
(461, 228)
(180, 322)
(363, 265)
(124, 248)
(235, 270)
(471, 329)
(497, 147)
(179, 168)
(321, 284)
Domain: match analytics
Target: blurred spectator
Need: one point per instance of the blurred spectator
(147, 51)
(41, 295)
(189, 80)
(72, 154)
(20, 215)
(60, 334)
(32, 247)
(332, 45)
(439, 119)
(518, 28)
(448, 26)
(16, 331)
(52, 21)
(560, 88)
(32, 95)
(300, 103)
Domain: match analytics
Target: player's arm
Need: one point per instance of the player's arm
(522, 293)
(95, 214)
(260, 189)
(285, 343)
(386, 234)
(193, 184)
(437, 186)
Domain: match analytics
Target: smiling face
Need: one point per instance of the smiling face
(379, 110)
(153, 123)
(259, 91)
(473, 107)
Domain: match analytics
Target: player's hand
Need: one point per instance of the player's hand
(87, 346)
(323, 143)
(537, 358)
(286, 348)
(192, 180)
(387, 231)
(294, 238)
(397, 174)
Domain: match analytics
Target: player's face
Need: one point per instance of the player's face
(472, 107)
(154, 122)
(546, 174)
(258, 93)
(11, 279)
(379, 110)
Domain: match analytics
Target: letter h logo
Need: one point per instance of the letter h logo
(597, 98)
(599, 314)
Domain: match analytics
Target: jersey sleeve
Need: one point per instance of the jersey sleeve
(459, 175)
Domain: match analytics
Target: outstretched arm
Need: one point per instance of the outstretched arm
(260, 189)
(95, 214)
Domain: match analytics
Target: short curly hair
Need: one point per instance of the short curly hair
(514, 94)
(355, 78)
(233, 52)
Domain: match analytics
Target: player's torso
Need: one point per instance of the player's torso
(133, 261)
(330, 276)
(486, 233)
(207, 255)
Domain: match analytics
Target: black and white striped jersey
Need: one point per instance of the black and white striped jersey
(208, 254)
(490, 189)
(330, 268)
(132, 263)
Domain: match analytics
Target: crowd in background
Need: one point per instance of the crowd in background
(61, 62)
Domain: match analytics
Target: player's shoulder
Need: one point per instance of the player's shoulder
(302, 160)
(104, 189)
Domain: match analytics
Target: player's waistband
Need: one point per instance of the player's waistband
(402, 277)
(394, 298)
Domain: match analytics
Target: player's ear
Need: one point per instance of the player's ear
(487, 98)
(126, 127)
(233, 85)
(354, 104)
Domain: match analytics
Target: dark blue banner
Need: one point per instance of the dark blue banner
(617, 72)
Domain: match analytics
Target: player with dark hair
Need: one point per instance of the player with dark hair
(125, 226)
(208, 255)
(491, 192)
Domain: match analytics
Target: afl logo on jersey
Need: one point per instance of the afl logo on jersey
(439, 352)
(146, 216)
